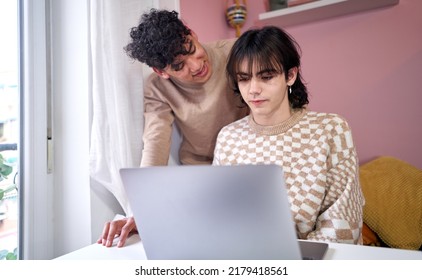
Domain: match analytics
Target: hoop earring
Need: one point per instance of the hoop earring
(290, 89)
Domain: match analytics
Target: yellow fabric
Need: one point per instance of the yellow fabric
(393, 195)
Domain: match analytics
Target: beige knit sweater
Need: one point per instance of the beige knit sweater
(200, 111)
(320, 165)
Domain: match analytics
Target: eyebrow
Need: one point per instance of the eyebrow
(258, 73)
(272, 70)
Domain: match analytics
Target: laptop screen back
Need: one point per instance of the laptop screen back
(212, 212)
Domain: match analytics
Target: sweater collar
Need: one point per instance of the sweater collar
(278, 128)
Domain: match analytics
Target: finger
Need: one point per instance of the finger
(113, 230)
(103, 237)
(126, 230)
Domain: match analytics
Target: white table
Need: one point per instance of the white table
(133, 250)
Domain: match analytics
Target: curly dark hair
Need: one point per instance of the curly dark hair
(158, 39)
(270, 48)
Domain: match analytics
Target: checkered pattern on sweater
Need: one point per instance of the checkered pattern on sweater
(320, 165)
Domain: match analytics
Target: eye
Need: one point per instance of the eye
(177, 66)
(243, 78)
(192, 49)
(267, 77)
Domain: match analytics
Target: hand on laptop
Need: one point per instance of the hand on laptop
(117, 228)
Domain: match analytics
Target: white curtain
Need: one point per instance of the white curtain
(116, 136)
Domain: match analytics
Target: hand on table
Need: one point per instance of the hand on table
(121, 228)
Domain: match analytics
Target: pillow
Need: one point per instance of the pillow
(393, 201)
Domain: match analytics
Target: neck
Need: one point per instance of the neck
(274, 118)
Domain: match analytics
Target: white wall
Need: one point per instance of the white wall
(70, 97)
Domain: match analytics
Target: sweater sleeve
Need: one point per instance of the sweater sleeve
(217, 150)
(158, 121)
(340, 219)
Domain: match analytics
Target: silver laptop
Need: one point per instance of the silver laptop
(215, 212)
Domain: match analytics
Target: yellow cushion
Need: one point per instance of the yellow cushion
(393, 201)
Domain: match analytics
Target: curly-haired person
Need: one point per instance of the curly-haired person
(188, 87)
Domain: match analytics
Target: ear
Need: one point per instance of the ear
(161, 73)
(291, 76)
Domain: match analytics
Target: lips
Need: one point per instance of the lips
(257, 102)
(203, 72)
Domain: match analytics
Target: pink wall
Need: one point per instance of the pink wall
(365, 66)
(208, 19)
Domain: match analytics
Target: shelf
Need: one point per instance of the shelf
(318, 10)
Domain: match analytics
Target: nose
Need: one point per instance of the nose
(194, 64)
(254, 88)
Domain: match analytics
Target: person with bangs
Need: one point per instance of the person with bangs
(315, 150)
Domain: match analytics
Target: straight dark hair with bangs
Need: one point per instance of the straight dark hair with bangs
(268, 48)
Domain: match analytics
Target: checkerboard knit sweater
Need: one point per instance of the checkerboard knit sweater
(320, 165)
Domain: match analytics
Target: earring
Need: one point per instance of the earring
(290, 89)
